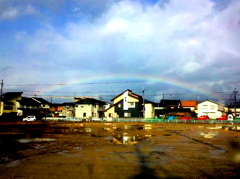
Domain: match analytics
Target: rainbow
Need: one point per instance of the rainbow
(138, 78)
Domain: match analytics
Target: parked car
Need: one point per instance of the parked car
(98, 119)
(185, 118)
(203, 118)
(230, 117)
(223, 117)
(29, 118)
(171, 117)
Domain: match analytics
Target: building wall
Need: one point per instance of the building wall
(119, 98)
(1, 107)
(86, 111)
(132, 111)
(210, 109)
(14, 106)
(237, 111)
(149, 111)
(110, 113)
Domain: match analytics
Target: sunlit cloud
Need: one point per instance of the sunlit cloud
(193, 41)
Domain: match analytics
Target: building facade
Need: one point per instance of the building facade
(88, 108)
(211, 109)
(130, 105)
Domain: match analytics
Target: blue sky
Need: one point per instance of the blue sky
(195, 43)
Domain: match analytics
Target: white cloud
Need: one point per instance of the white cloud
(9, 14)
(183, 39)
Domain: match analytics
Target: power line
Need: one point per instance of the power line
(66, 84)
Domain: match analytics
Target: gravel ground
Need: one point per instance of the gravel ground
(118, 150)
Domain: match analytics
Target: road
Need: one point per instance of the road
(117, 150)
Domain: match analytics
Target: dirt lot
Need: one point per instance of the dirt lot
(118, 150)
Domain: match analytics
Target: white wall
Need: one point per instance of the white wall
(210, 109)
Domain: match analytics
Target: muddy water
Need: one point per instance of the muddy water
(118, 150)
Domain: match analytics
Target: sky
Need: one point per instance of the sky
(176, 49)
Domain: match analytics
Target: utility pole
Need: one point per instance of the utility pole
(235, 102)
(143, 103)
(1, 97)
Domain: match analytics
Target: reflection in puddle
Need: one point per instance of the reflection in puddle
(217, 151)
(36, 140)
(14, 163)
(112, 127)
(125, 138)
(129, 140)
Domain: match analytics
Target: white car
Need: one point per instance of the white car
(98, 119)
(29, 118)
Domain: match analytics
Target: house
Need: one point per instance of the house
(211, 109)
(32, 106)
(232, 109)
(169, 107)
(9, 103)
(149, 111)
(86, 108)
(68, 109)
(189, 104)
(128, 104)
(56, 109)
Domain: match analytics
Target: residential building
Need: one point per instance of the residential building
(190, 104)
(68, 110)
(87, 108)
(56, 109)
(32, 106)
(128, 104)
(9, 102)
(211, 109)
(149, 111)
(232, 109)
(1, 107)
(169, 107)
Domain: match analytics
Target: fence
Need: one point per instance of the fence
(151, 120)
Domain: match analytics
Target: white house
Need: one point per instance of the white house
(211, 109)
(89, 108)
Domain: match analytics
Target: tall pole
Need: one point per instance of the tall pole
(1, 97)
(235, 102)
(143, 103)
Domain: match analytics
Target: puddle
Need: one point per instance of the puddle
(129, 140)
(78, 148)
(77, 130)
(38, 147)
(14, 163)
(216, 127)
(208, 135)
(217, 152)
(108, 137)
(111, 127)
(36, 140)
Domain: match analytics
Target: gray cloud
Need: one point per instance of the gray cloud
(196, 42)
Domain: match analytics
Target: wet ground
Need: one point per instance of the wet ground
(118, 150)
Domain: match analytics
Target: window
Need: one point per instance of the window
(131, 104)
(94, 114)
(119, 105)
(84, 114)
(109, 115)
(127, 114)
(212, 107)
(8, 106)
